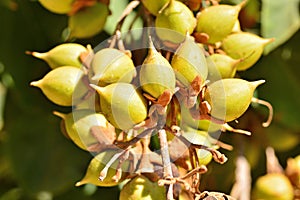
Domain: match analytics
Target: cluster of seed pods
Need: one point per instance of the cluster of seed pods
(178, 97)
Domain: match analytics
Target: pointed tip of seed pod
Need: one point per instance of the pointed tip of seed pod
(255, 84)
(79, 183)
(37, 54)
(59, 114)
(151, 46)
(97, 88)
(242, 4)
(36, 83)
(266, 41)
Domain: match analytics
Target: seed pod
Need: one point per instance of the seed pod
(174, 21)
(230, 98)
(217, 21)
(142, 188)
(204, 125)
(246, 46)
(97, 164)
(57, 6)
(273, 186)
(66, 54)
(59, 85)
(224, 65)
(78, 126)
(111, 65)
(200, 138)
(189, 61)
(88, 21)
(154, 6)
(122, 105)
(156, 74)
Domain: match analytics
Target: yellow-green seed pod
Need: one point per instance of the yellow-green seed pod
(88, 21)
(78, 126)
(156, 74)
(122, 105)
(200, 138)
(174, 21)
(97, 164)
(67, 54)
(217, 21)
(112, 65)
(154, 6)
(225, 66)
(142, 188)
(59, 85)
(273, 186)
(230, 98)
(246, 46)
(57, 6)
(189, 61)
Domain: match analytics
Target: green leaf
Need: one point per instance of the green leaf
(280, 20)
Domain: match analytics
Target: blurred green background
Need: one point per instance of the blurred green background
(38, 162)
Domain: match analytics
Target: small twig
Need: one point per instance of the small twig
(273, 165)
(166, 160)
(269, 106)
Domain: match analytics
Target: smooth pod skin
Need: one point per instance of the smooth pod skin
(156, 74)
(189, 61)
(201, 138)
(230, 98)
(57, 6)
(112, 65)
(122, 105)
(59, 85)
(224, 65)
(154, 6)
(67, 54)
(88, 22)
(79, 123)
(174, 21)
(142, 188)
(217, 21)
(273, 187)
(97, 164)
(204, 125)
(246, 46)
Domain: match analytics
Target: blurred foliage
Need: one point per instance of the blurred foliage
(38, 162)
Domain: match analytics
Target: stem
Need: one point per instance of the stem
(166, 160)
(269, 106)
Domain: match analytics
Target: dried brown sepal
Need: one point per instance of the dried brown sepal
(213, 195)
(201, 37)
(87, 57)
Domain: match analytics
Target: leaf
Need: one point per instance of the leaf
(280, 20)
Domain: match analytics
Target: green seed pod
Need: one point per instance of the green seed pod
(154, 6)
(66, 54)
(177, 17)
(122, 105)
(217, 21)
(204, 125)
(57, 6)
(230, 98)
(79, 123)
(88, 21)
(59, 85)
(97, 164)
(111, 65)
(189, 61)
(142, 188)
(156, 74)
(246, 46)
(201, 138)
(273, 187)
(224, 65)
